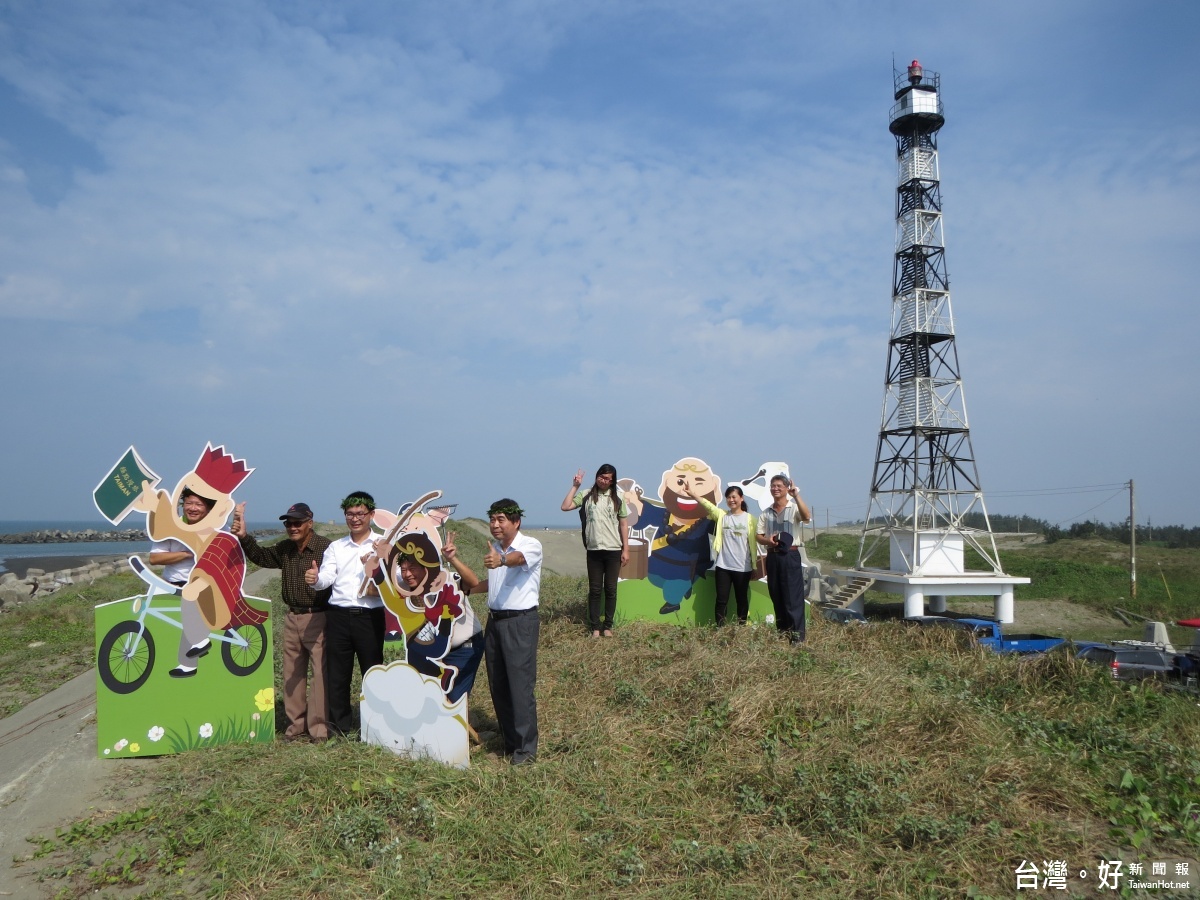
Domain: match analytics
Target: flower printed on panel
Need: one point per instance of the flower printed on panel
(134, 748)
(206, 730)
(120, 745)
(265, 699)
(156, 733)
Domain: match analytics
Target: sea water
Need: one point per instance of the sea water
(81, 548)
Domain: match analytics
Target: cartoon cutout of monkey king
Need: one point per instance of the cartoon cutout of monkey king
(679, 553)
(425, 601)
(415, 588)
(212, 597)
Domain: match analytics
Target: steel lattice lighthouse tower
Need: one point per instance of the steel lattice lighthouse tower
(925, 484)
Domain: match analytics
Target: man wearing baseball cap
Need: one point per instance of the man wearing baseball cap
(304, 627)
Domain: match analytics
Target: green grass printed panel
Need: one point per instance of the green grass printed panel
(168, 715)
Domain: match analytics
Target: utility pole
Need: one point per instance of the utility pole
(1132, 546)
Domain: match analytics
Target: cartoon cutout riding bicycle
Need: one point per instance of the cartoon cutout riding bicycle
(211, 600)
(126, 656)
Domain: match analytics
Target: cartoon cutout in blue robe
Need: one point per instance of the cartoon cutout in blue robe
(679, 550)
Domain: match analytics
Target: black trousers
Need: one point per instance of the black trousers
(785, 583)
(603, 569)
(349, 632)
(510, 652)
(740, 582)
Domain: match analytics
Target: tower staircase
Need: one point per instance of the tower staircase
(848, 593)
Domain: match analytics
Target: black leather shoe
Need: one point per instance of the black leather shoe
(200, 651)
(181, 672)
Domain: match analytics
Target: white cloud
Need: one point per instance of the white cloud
(407, 713)
(653, 230)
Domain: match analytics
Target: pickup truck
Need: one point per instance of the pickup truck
(989, 633)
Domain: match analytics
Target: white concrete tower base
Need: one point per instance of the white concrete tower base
(916, 588)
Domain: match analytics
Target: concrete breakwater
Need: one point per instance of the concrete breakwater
(54, 536)
(40, 583)
(46, 574)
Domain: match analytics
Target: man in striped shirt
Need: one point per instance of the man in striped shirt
(779, 531)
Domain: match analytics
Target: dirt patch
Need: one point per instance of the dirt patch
(1057, 618)
(1046, 616)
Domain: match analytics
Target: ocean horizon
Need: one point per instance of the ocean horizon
(80, 548)
(23, 526)
(121, 548)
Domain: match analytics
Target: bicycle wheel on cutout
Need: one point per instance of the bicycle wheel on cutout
(244, 660)
(126, 657)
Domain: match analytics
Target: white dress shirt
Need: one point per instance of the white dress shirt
(516, 587)
(342, 569)
(176, 572)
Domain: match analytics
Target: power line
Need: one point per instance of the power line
(1120, 491)
(1115, 489)
(1050, 492)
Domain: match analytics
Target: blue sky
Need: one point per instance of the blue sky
(474, 246)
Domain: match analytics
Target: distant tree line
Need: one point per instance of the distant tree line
(1173, 536)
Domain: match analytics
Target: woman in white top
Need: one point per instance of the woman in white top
(735, 551)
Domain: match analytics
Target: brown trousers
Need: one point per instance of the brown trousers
(304, 643)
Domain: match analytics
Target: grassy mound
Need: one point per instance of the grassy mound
(882, 761)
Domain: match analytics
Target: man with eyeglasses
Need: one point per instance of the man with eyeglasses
(304, 626)
(354, 620)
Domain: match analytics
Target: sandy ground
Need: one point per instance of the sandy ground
(1045, 616)
(562, 551)
(1055, 617)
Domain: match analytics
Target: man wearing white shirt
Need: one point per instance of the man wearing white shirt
(354, 621)
(514, 564)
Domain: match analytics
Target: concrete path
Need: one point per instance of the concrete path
(50, 774)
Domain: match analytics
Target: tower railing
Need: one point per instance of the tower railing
(927, 79)
(905, 108)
